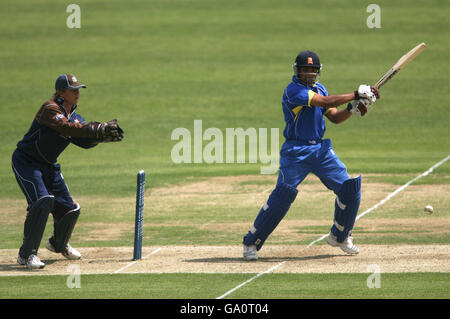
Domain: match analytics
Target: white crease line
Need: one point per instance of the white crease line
(251, 279)
(398, 190)
(317, 240)
(358, 217)
(133, 262)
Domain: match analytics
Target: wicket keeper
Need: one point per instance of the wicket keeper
(54, 127)
(305, 103)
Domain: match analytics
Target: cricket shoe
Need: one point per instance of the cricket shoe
(250, 252)
(69, 252)
(347, 245)
(21, 261)
(32, 262)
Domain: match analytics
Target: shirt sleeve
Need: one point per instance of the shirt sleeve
(326, 110)
(82, 141)
(51, 116)
(301, 97)
(324, 92)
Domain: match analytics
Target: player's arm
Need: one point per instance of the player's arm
(332, 101)
(359, 107)
(51, 116)
(364, 91)
(337, 116)
(84, 142)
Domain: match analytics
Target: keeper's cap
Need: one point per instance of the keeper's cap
(67, 81)
(307, 58)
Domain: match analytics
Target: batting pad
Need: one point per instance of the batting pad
(271, 214)
(35, 223)
(63, 229)
(346, 208)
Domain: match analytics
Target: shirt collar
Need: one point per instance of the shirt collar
(60, 104)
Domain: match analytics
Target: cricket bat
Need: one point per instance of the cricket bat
(404, 60)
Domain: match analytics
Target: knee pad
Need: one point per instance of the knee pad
(346, 208)
(271, 214)
(35, 223)
(63, 228)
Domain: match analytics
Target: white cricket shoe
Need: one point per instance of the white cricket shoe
(250, 252)
(347, 245)
(21, 261)
(69, 252)
(33, 262)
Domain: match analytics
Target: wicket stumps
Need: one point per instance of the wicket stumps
(139, 219)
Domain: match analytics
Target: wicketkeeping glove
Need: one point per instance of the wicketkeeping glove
(110, 132)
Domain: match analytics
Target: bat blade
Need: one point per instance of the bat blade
(403, 61)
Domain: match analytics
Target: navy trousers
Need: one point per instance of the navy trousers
(38, 179)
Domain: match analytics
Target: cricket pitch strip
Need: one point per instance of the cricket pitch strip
(228, 259)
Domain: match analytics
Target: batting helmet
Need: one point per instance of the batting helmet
(306, 59)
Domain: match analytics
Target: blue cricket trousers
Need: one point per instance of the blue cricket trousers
(298, 159)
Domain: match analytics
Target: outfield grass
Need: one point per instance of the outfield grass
(159, 65)
(210, 286)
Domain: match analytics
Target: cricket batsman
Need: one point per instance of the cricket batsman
(305, 103)
(54, 127)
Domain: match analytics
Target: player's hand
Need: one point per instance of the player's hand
(375, 91)
(363, 106)
(121, 133)
(365, 91)
(359, 107)
(110, 132)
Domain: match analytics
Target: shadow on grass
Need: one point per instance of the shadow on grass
(17, 267)
(260, 259)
